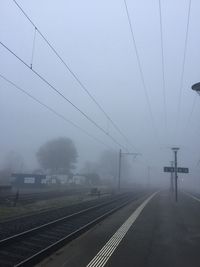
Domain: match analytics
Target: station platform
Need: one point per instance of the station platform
(155, 233)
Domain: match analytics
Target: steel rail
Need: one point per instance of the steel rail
(74, 225)
(15, 237)
(31, 261)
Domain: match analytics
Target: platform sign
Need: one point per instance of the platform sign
(179, 169)
(168, 169)
(183, 170)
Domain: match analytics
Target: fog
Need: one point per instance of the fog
(94, 39)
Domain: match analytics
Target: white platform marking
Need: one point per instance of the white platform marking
(105, 253)
(190, 195)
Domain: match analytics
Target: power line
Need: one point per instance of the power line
(75, 76)
(64, 97)
(163, 68)
(183, 64)
(52, 110)
(140, 70)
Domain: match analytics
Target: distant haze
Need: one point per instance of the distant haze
(94, 38)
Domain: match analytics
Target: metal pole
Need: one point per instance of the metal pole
(176, 176)
(172, 178)
(148, 182)
(120, 157)
(119, 174)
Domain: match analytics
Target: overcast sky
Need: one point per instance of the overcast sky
(94, 39)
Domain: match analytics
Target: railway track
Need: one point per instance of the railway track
(26, 222)
(26, 198)
(31, 246)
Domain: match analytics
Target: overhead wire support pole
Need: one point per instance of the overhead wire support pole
(120, 163)
(73, 74)
(148, 177)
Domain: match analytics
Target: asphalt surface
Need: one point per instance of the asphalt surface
(165, 234)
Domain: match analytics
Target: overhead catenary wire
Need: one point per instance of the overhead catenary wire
(52, 110)
(163, 66)
(64, 97)
(141, 71)
(75, 76)
(183, 66)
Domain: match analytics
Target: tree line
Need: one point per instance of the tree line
(59, 156)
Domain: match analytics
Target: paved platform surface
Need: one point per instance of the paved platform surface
(166, 234)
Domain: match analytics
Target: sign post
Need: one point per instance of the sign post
(175, 170)
(172, 179)
(175, 149)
